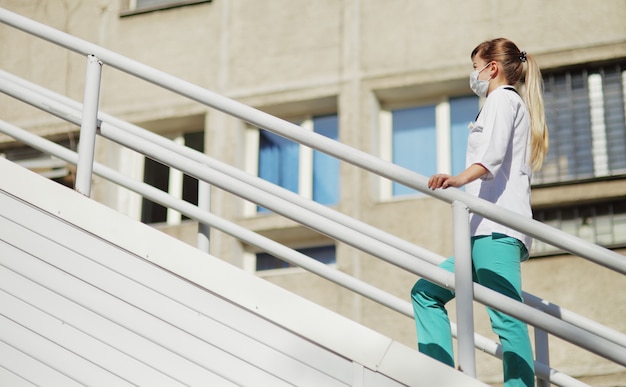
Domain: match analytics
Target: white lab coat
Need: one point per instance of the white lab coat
(499, 141)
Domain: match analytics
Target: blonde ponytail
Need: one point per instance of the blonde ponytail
(512, 60)
(533, 97)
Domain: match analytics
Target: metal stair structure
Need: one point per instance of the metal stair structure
(92, 297)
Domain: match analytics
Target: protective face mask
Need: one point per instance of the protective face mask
(478, 86)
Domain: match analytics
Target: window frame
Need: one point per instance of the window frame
(583, 220)
(305, 156)
(42, 163)
(130, 7)
(556, 169)
(176, 180)
(443, 135)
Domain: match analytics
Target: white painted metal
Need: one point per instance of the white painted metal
(88, 127)
(69, 110)
(109, 293)
(158, 196)
(484, 344)
(542, 353)
(373, 247)
(289, 130)
(204, 204)
(464, 289)
(390, 254)
(22, 369)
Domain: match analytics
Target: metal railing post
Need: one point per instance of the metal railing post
(464, 288)
(542, 349)
(88, 126)
(204, 203)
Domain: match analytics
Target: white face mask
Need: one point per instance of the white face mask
(478, 86)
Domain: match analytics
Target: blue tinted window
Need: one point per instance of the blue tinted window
(463, 110)
(414, 143)
(278, 161)
(325, 167)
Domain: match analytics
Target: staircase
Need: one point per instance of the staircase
(91, 297)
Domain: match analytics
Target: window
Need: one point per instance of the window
(601, 223)
(311, 173)
(132, 7)
(414, 139)
(324, 254)
(427, 139)
(44, 164)
(585, 117)
(173, 181)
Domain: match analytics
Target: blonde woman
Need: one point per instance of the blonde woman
(506, 143)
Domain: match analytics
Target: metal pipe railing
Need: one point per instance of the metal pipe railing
(59, 112)
(88, 126)
(542, 352)
(464, 290)
(486, 296)
(366, 161)
(230, 228)
(70, 110)
(265, 244)
(324, 144)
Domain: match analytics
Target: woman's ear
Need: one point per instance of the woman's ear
(494, 69)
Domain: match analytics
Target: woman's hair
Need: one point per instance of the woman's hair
(512, 60)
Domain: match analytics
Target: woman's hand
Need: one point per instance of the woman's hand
(442, 180)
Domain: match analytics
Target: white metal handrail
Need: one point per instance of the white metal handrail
(266, 244)
(67, 114)
(314, 140)
(611, 349)
(74, 116)
(70, 110)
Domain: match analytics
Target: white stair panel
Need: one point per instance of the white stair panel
(21, 370)
(92, 297)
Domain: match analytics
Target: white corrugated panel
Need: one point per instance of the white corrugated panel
(129, 326)
(90, 297)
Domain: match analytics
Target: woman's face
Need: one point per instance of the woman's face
(482, 66)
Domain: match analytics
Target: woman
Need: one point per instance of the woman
(506, 143)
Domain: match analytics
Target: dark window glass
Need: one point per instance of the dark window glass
(585, 117)
(324, 254)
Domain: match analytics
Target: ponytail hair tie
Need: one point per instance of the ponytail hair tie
(522, 56)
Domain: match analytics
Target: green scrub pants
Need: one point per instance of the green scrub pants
(495, 264)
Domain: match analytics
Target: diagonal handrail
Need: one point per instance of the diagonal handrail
(73, 115)
(319, 142)
(67, 115)
(263, 243)
(70, 110)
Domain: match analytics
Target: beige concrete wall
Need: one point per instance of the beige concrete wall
(291, 57)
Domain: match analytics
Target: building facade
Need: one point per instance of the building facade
(389, 78)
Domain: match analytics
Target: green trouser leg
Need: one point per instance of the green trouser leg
(496, 264)
(434, 337)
